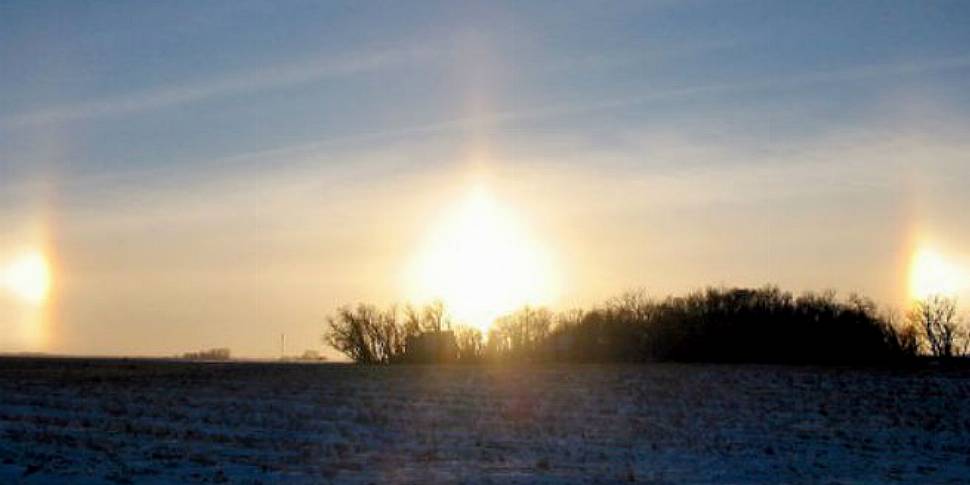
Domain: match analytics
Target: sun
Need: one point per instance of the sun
(930, 274)
(482, 263)
(27, 277)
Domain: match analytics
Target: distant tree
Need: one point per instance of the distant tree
(432, 317)
(936, 317)
(717, 324)
(312, 356)
(906, 335)
(366, 334)
(569, 319)
(412, 320)
(965, 348)
(435, 317)
(209, 354)
(470, 345)
(634, 305)
(520, 334)
(371, 336)
(350, 331)
(389, 336)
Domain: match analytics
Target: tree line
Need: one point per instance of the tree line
(757, 325)
(208, 354)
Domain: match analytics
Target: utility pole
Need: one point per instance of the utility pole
(282, 346)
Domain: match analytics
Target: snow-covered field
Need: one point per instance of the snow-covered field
(143, 421)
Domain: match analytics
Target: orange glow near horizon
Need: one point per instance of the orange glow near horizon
(28, 277)
(25, 288)
(481, 263)
(933, 274)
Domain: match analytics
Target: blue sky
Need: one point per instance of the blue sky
(171, 83)
(214, 139)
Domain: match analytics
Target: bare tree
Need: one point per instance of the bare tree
(371, 336)
(412, 320)
(569, 319)
(520, 333)
(905, 335)
(715, 325)
(635, 305)
(351, 331)
(432, 317)
(435, 317)
(388, 336)
(965, 348)
(366, 334)
(469, 341)
(936, 317)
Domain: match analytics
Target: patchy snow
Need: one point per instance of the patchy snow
(95, 421)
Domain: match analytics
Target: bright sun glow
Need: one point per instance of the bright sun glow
(27, 277)
(481, 264)
(931, 274)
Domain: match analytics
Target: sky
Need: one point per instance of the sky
(182, 175)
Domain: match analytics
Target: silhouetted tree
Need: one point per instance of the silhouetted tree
(713, 325)
(390, 335)
(435, 317)
(210, 354)
(936, 317)
(351, 331)
(371, 336)
(520, 334)
(633, 305)
(906, 334)
(432, 317)
(731, 325)
(469, 341)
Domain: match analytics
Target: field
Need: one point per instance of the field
(148, 421)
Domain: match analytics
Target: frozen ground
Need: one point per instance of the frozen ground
(97, 421)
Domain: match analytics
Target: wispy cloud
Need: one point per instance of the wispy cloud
(267, 77)
(851, 74)
(640, 55)
(309, 152)
(498, 118)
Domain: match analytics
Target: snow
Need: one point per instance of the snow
(96, 421)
